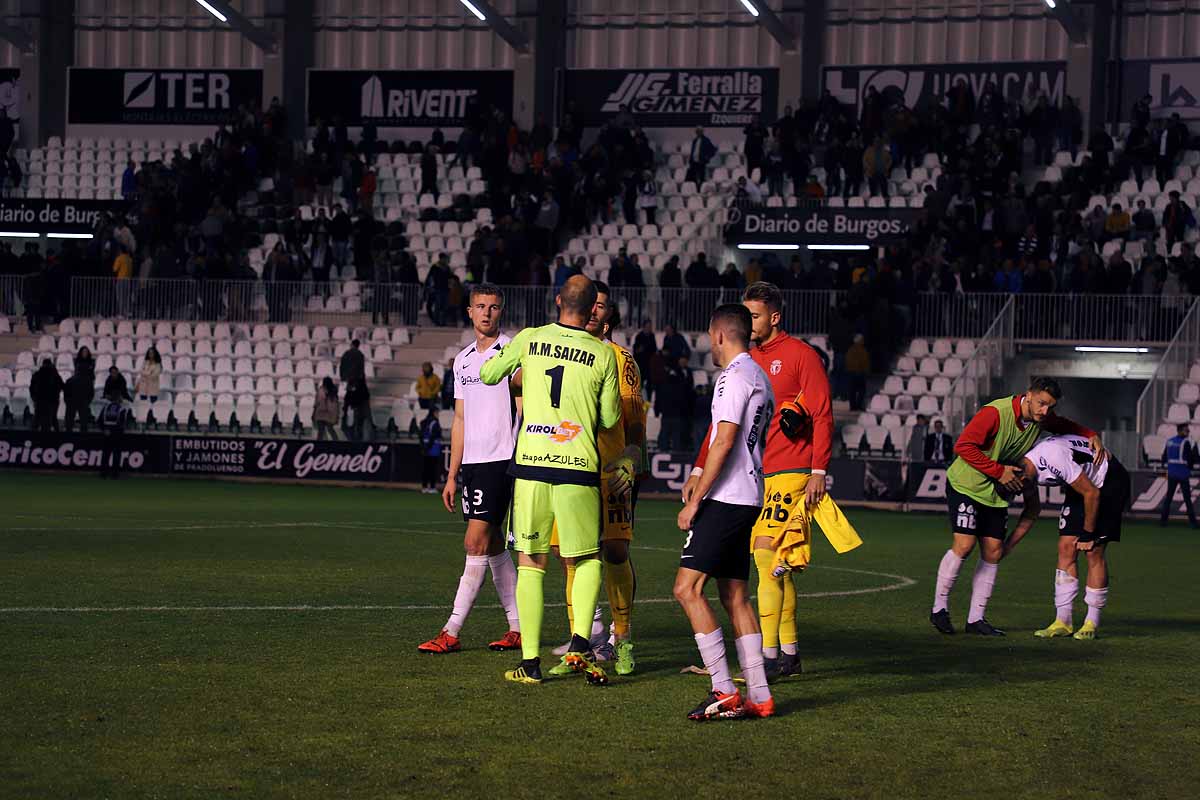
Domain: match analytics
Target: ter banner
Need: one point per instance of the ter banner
(80, 452)
(1173, 86)
(281, 458)
(819, 224)
(916, 85)
(53, 216)
(406, 99)
(672, 98)
(160, 96)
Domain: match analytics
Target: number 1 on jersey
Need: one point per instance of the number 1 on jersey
(556, 379)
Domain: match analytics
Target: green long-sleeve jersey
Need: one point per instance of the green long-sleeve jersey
(569, 392)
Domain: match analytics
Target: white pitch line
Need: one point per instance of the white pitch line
(902, 582)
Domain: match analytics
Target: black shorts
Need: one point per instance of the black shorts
(1114, 502)
(719, 542)
(486, 491)
(972, 518)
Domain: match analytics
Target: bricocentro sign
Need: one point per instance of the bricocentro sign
(819, 225)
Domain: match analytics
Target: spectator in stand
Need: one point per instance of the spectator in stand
(45, 389)
(731, 278)
(353, 364)
(673, 402)
(852, 167)
(1177, 218)
(324, 174)
(123, 271)
(747, 193)
(429, 386)
(916, 440)
(939, 446)
(1070, 126)
(644, 347)
(647, 197)
(129, 186)
(340, 229)
(357, 410)
(877, 167)
(858, 366)
(755, 147)
(326, 410)
(700, 275)
(675, 344)
(700, 152)
(352, 177)
(431, 452)
(1145, 226)
(813, 189)
(150, 377)
(366, 191)
(115, 385)
(545, 226)
(437, 289)
(113, 419)
(429, 172)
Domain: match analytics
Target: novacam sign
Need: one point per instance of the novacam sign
(915, 85)
(673, 98)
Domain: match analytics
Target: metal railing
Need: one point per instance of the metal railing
(13, 295)
(985, 364)
(314, 303)
(1047, 318)
(1052, 318)
(1171, 372)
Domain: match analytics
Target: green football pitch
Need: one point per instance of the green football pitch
(187, 639)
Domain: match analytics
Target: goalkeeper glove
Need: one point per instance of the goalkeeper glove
(620, 476)
(793, 418)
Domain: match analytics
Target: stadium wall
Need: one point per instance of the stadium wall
(852, 481)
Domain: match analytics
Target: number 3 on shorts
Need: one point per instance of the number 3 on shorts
(688, 541)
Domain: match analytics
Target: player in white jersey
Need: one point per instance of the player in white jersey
(718, 519)
(1097, 497)
(481, 445)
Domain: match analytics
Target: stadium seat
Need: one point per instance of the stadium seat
(1153, 446)
(1178, 413)
(906, 365)
(928, 405)
(1189, 393)
(879, 404)
(903, 404)
(929, 367)
(893, 385)
(876, 439)
(852, 436)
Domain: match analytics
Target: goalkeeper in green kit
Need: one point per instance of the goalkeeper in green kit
(570, 391)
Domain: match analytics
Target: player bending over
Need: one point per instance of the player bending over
(1097, 497)
(991, 443)
(481, 444)
(569, 387)
(719, 517)
(622, 447)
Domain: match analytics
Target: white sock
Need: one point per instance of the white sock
(750, 656)
(504, 576)
(947, 574)
(1065, 588)
(770, 652)
(598, 622)
(789, 649)
(468, 589)
(981, 589)
(712, 652)
(1096, 600)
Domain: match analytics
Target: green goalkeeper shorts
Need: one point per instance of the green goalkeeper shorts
(537, 507)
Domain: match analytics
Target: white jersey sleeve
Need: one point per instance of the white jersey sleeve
(742, 395)
(1060, 460)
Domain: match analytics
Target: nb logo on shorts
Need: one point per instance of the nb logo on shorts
(966, 517)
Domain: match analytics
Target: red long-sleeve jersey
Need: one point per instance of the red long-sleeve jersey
(797, 374)
(978, 434)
